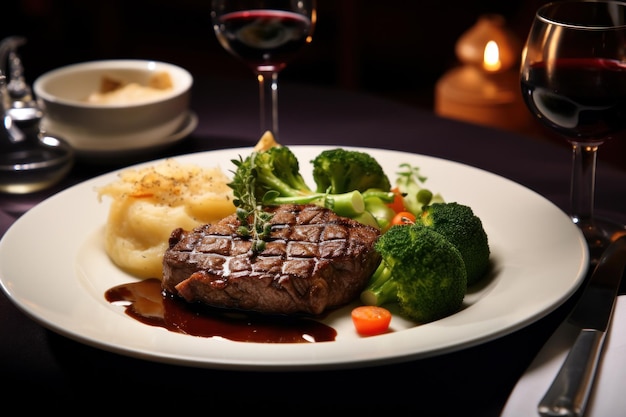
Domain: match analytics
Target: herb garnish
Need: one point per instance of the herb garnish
(255, 222)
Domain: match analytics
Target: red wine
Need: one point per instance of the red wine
(265, 39)
(580, 98)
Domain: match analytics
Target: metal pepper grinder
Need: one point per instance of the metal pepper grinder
(30, 160)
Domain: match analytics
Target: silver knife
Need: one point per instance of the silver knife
(569, 392)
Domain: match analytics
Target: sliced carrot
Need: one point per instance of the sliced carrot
(402, 218)
(398, 201)
(371, 320)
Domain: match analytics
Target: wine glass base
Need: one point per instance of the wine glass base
(599, 234)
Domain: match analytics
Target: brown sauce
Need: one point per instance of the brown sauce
(146, 302)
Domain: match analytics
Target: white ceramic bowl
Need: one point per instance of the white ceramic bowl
(106, 127)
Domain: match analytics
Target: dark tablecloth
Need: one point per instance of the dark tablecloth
(57, 373)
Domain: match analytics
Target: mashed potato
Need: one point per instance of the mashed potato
(148, 203)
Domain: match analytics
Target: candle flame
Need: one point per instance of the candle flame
(491, 57)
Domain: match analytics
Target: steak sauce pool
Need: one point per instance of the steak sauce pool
(145, 302)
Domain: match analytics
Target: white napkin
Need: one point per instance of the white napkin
(608, 398)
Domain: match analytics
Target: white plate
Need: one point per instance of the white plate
(54, 268)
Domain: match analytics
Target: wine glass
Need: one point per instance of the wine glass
(573, 79)
(265, 35)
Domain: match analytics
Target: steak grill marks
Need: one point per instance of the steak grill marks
(313, 260)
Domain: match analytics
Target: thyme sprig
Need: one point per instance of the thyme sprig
(255, 222)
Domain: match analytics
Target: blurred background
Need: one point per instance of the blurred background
(394, 49)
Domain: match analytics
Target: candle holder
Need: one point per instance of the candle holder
(485, 88)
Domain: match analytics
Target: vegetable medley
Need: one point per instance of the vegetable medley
(431, 249)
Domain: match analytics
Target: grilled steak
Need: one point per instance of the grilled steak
(313, 260)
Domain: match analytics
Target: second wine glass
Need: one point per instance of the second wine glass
(573, 79)
(265, 35)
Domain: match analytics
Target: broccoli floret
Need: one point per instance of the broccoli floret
(421, 271)
(272, 177)
(459, 224)
(339, 171)
(277, 169)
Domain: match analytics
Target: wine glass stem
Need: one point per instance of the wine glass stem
(583, 196)
(583, 183)
(268, 93)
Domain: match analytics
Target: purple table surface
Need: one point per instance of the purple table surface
(57, 372)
